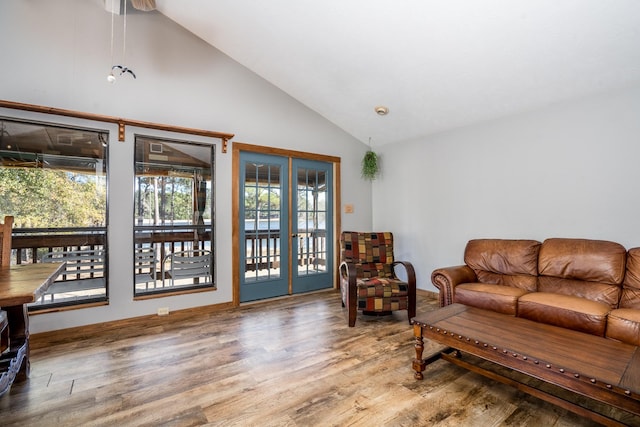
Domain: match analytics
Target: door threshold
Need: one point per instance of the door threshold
(243, 304)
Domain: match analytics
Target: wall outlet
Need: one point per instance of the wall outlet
(163, 311)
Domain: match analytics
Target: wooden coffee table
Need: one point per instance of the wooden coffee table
(602, 369)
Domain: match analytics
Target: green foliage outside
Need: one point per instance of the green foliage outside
(263, 202)
(43, 198)
(159, 199)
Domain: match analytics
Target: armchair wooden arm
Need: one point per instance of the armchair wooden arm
(411, 281)
(348, 275)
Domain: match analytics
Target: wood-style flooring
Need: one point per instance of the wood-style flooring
(286, 362)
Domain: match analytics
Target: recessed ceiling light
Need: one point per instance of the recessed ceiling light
(381, 110)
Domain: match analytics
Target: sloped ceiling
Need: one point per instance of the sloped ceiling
(436, 64)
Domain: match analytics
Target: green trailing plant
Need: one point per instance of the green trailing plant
(370, 165)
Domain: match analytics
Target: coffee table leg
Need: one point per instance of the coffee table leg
(418, 362)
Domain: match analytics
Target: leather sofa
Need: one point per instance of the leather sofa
(592, 286)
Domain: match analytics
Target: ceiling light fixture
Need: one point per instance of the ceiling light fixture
(121, 68)
(144, 5)
(381, 110)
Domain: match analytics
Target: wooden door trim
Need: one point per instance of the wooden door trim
(290, 226)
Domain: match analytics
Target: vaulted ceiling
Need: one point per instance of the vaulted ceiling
(436, 64)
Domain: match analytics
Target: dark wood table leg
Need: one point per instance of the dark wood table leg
(418, 362)
(18, 318)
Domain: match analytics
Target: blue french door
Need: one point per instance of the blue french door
(312, 227)
(264, 226)
(285, 226)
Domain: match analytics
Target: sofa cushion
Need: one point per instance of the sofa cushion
(623, 325)
(630, 298)
(499, 298)
(505, 262)
(631, 290)
(594, 291)
(583, 259)
(592, 269)
(566, 311)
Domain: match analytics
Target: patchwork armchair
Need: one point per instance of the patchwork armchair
(368, 281)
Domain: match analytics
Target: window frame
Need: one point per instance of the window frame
(161, 250)
(30, 244)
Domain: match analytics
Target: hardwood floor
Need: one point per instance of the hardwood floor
(288, 362)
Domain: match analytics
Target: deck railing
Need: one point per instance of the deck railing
(31, 244)
(262, 247)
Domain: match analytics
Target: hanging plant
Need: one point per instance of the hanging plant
(370, 165)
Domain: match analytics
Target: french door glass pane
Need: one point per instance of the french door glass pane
(262, 203)
(312, 214)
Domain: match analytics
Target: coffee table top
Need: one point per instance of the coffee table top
(563, 349)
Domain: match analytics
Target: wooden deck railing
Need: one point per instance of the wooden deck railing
(32, 244)
(262, 247)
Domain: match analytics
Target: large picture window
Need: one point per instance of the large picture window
(53, 181)
(173, 215)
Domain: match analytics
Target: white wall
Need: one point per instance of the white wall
(57, 54)
(570, 170)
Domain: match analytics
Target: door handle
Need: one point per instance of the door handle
(294, 235)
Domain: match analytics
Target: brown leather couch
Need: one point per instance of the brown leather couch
(592, 286)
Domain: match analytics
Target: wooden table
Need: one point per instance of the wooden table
(19, 285)
(601, 369)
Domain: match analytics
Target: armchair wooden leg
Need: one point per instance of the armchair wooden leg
(352, 304)
(411, 303)
(353, 313)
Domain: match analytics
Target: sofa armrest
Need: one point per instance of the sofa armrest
(446, 279)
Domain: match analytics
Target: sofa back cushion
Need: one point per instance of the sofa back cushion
(631, 288)
(504, 261)
(591, 269)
